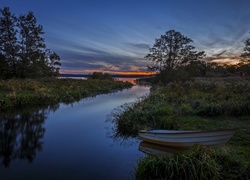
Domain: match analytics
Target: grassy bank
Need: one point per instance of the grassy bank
(19, 93)
(203, 104)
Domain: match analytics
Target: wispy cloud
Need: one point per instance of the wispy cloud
(139, 45)
(116, 35)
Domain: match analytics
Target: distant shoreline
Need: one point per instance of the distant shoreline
(114, 75)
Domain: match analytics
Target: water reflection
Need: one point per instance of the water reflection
(21, 134)
(158, 150)
(74, 145)
(123, 134)
(120, 133)
(121, 140)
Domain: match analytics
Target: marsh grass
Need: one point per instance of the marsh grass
(201, 104)
(18, 93)
(166, 106)
(196, 164)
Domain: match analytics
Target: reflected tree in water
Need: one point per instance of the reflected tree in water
(21, 134)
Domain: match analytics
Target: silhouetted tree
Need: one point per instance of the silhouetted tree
(245, 56)
(171, 51)
(53, 63)
(32, 45)
(101, 76)
(196, 68)
(216, 70)
(230, 68)
(23, 50)
(8, 43)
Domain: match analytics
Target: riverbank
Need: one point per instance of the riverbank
(19, 93)
(202, 104)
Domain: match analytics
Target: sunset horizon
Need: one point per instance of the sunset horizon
(127, 73)
(129, 89)
(116, 36)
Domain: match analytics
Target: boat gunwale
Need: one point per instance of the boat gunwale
(187, 132)
(182, 144)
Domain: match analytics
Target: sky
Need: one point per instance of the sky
(114, 36)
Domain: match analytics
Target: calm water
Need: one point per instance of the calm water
(68, 141)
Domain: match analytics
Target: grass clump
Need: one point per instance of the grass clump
(146, 113)
(197, 163)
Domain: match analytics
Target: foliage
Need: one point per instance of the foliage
(202, 97)
(23, 52)
(197, 163)
(172, 50)
(101, 76)
(175, 60)
(172, 75)
(18, 93)
(170, 53)
(245, 56)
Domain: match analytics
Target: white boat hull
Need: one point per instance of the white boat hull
(186, 138)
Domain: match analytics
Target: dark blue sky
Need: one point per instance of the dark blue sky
(115, 35)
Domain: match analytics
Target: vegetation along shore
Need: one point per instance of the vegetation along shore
(191, 94)
(29, 70)
(200, 104)
(19, 93)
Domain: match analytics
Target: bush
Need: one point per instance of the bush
(101, 76)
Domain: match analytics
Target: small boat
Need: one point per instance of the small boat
(182, 138)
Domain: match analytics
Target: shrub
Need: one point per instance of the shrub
(101, 76)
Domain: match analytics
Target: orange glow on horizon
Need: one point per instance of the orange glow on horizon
(227, 60)
(133, 73)
(110, 72)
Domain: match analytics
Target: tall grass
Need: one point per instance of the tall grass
(196, 164)
(193, 165)
(165, 105)
(202, 104)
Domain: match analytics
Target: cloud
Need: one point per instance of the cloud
(223, 59)
(140, 45)
(219, 54)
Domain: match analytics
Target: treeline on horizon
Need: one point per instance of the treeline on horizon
(113, 75)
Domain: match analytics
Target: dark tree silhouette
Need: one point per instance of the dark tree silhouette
(171, 51)
(23, 51)
(9, 46)
(245, 56)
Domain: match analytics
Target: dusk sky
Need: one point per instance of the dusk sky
(115, 35)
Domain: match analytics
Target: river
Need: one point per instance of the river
(69, 141)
